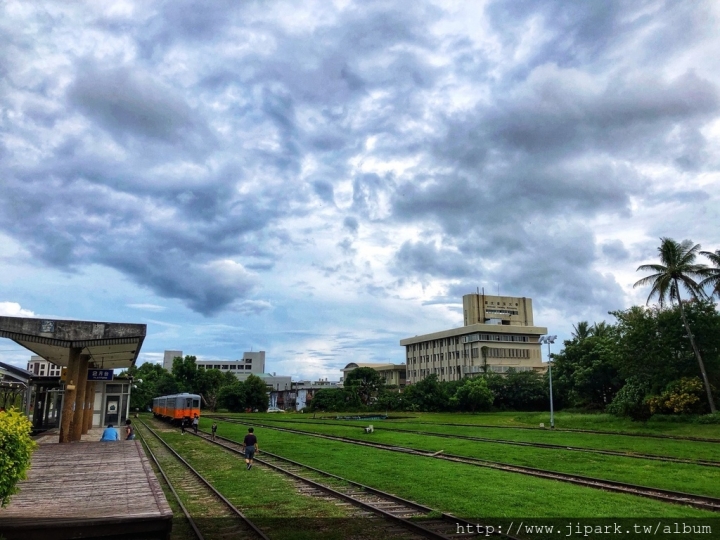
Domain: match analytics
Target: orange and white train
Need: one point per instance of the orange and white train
(177, 407)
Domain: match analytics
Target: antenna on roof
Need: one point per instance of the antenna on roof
(478, 290)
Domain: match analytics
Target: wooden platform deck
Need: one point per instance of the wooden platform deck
(88, 490)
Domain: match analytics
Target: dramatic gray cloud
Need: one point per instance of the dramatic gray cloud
(615, 250)
(425, 258)
(330, 165)
(124, 101)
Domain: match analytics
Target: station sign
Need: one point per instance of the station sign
(100, 375)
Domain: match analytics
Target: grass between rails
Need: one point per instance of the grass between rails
(270, 499)
(618, 443)
(464, 490)
(195, 505)
(181, 529)
(673, 476)
(568, 420)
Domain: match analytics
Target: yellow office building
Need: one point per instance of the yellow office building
(498, 334)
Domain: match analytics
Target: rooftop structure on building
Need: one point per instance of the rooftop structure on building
(319, 384)
(273, 381)
(392, 374)
(168, 358)
(498, 335)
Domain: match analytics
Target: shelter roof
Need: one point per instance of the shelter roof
(110, 345)
(9, 373)
(376, 366)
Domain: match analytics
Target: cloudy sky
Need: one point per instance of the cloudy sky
(321, 179)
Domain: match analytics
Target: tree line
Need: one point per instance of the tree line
(363, 390)
(216, 388)
(663, 359)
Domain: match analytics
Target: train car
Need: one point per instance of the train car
(177, 407)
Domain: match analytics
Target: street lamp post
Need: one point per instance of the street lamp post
(549, 339)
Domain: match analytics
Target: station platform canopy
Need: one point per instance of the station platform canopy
(108, 345)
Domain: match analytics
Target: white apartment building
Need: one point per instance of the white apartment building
(498, 335)
(251, 363)
(41, 367)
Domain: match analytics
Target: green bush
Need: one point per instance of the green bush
(709, 418)
(16, 447)
(474, 395)
(685, 396)
(630, 401)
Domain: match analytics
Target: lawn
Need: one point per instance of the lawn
(682, 449)
(701, 480)
(677, 426)
(464, 490)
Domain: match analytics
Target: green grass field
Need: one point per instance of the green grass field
(565, 420)
(693, 450)
(472, 492)
(451, 487)
(688, 478)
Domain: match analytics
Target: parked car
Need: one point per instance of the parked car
(274, 409)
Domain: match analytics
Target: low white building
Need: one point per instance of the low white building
(251, 363)
(42, 368)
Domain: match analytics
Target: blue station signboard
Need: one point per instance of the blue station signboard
(100, 375)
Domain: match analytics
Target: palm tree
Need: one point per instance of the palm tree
(713, 278)
(601, 329)
(581, 330)
(678, 267)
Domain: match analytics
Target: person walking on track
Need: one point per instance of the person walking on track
(250, 446)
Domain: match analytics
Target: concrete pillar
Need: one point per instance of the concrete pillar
(88, 410)
(91, 402)
(70, 394)
(79, 413)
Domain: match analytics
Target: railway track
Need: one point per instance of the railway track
(676, 497)
(212, 515)
(415, 518)
(591, 431)
(634, 455)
